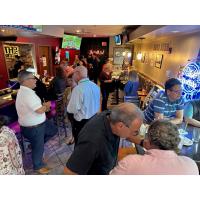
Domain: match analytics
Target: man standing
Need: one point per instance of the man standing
(31, 117)
(167, 104)
(98, 142)
(85, 100)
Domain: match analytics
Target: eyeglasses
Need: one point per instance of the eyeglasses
(176, 91)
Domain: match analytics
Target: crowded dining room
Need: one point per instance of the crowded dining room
(99, 100)
(128, 94)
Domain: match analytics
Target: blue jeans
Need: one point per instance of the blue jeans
(37, 137)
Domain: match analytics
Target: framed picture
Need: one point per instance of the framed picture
(143, 57)
(159, 59)
(152, 59)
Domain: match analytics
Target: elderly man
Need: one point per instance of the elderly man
(84, 102)
(192, 113)
(167, 104)
(97, 147)
(160, 158)
(32, 118)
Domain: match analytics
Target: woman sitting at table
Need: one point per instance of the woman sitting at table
(132, 85)
(10, 152)
(160, 158)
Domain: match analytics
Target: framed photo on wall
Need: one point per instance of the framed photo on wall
(159, 59)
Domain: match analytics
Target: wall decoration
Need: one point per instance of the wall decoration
(146, 58)
(143, 57)
(152, 59)
(159, 59)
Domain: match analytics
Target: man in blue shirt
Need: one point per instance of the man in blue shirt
(167, 104)
(84, 102)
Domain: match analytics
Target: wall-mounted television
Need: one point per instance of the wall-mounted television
(117, 39)
(71, 42)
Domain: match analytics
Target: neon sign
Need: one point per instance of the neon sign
(190, 78)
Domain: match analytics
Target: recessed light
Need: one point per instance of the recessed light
(94, 35)
(78, 31)
(2, 30)
(175, 31)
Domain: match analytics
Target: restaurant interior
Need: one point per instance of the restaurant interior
(155, 52)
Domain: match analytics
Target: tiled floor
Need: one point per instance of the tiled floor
(55, 155)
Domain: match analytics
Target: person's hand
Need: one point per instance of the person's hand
(47, 104)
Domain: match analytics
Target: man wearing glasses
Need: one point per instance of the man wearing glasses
(32, 118)
(98, 141)
(168, 104)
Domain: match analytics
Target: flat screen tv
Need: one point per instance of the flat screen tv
(71, 42)
(117, 39)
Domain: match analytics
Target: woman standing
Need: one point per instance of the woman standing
(105, 84)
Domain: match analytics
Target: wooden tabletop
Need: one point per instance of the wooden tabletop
(124, 151)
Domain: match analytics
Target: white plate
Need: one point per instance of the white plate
(182, 131)
(186, 141)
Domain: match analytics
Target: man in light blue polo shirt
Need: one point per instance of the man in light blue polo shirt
(84, 102)
(167, 104)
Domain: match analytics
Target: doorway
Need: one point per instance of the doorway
(45, 64)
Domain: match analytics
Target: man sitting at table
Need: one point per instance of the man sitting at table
(98, 142)
(161, 142)
(192, 113)
(167, 104)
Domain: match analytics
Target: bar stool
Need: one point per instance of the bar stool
(60, 118)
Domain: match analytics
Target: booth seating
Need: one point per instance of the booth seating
(132, 99)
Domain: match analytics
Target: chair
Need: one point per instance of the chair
(60, 116)
(132, 99)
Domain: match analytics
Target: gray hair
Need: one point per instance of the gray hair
(164, 134)
(82, 70)
(23, 75)
(126, 113)
(133, 76)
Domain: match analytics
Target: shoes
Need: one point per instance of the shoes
(43, 170)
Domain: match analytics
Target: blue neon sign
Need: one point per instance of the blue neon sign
(190, 78)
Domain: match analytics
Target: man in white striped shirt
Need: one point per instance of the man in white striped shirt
(85, 100)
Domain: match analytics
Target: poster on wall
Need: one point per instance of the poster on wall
(159, 59)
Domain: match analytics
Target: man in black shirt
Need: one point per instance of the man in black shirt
(97, 147)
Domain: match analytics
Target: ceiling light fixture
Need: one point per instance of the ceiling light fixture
(3, 30)
(175, 31)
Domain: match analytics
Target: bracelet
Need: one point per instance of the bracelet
(142, 142)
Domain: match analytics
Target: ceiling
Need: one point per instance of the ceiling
(81, 30)
(166, 32)
(158, 32)
(94, 30)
